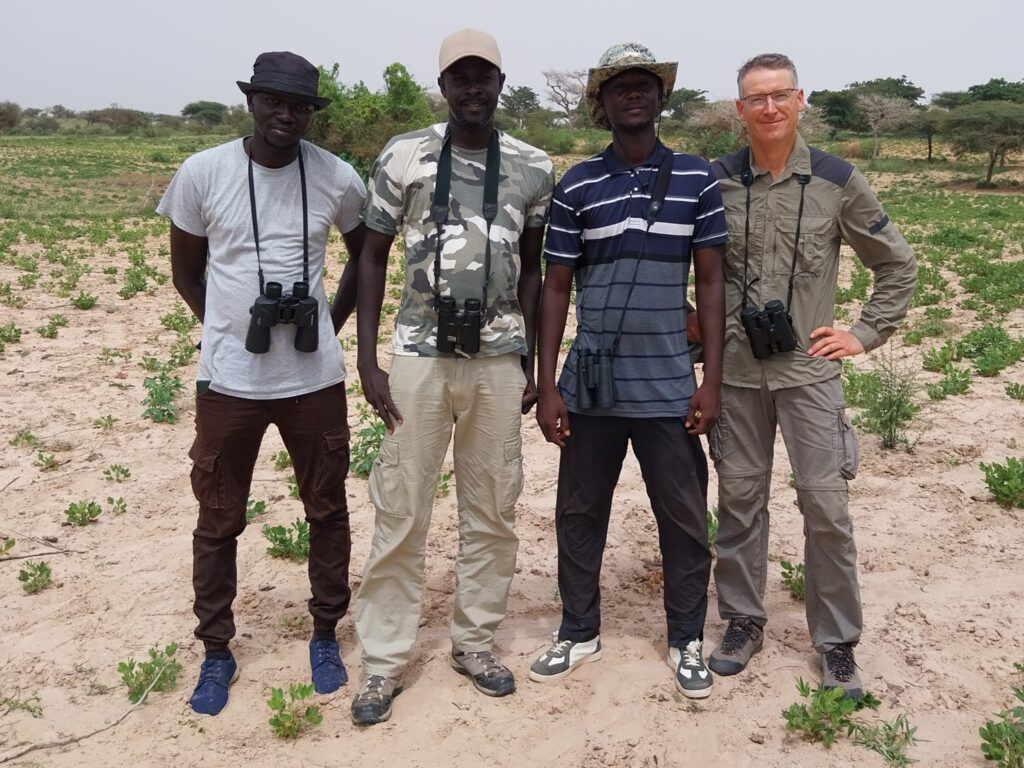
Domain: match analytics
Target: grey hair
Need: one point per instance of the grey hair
(766, 61)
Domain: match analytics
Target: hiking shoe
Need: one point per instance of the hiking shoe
(373, 702)
(839, 670)
(692, 678)
(325, 663)
(490, 676)
(211, 693)
(743, 638)
(563, 657)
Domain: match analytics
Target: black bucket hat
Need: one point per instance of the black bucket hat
(287, 74)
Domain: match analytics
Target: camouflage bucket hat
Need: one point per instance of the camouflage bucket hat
(617, 60)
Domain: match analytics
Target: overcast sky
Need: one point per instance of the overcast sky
(158, 56)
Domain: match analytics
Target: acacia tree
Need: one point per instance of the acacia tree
(927, 123)
(990, 127)
(10, 116)
(683, 101)
(519, 101)
(206, 113)
(565, 89)
(882, 113)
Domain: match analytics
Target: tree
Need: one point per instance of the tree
(894, 87)
(206, 113)
(404, 99)
(61, 112)
(10, 116)
(565, 89)
(519, 101)
(883, 113)
(990, 127)
(683, 101)
(839, 109)
(716, 130)
(927, 123)
(997, 89)
(951, 99)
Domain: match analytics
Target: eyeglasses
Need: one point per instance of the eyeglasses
(760, 100)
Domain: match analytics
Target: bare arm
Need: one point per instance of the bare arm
(529, 300)
(188, 268)
(372, 266)
(345, 299)
(552, 415)
(710, 285)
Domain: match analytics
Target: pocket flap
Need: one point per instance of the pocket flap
(204, 457)
(337, 440)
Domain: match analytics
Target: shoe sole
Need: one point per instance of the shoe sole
(539, 678)
(701, 693)
(465, 673)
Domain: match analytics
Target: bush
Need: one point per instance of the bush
(1006, 481)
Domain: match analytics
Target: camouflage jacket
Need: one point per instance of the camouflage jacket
(398, 201)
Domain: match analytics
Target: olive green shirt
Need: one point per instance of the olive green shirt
(838, 205)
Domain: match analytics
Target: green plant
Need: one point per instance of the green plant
(444, 484)
(105, 422)
(712, 517)
(159, 673)
(160, 405)
(109, 356)
(889, 738)
(182, 352)
(859, 387)
(116, 473)
(10, 333)
(1015, 390)
(84, 300)
(824, 717)
(180, 319)
(24, 439)
(46, 461)
(936, 360)
(254, 509)
(794, 578)
(150, 363)
(281, 460)
(35, 577)
(291, 543)
(47, 331)
(293, 486)
(6, 545)
(1006, 481)
(889, 410)
(82, 512)
(367, 442)
(991, 348)
(1002, 741)
(14, 703)
(292, 717)
(955, 382)
(117, 506)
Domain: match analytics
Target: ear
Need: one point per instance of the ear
(248, 101)
(501, 81)
(440, 84)
(739, 111)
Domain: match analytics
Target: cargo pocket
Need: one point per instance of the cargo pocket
(849, 452)
(718, 438)
(510, 478)
(385, 484)
(334, 461)
(207, 483)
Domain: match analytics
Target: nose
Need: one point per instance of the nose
(769, 105)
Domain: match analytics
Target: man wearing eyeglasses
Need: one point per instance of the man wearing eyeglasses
(788, 207)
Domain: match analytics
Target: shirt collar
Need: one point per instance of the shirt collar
(799, 162)
(615, 164)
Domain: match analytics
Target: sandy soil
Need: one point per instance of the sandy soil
(940, 563)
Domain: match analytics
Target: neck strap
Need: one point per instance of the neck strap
(440, 205)
(305, 220)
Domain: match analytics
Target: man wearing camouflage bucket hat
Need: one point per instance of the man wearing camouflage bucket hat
(625, 225)
(470, 202)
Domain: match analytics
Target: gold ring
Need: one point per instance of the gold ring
(697, 414)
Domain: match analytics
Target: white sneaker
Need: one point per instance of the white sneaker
(563, 657)
(693, 679)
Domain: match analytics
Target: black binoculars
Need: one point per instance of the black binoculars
(297, 308)
(594, 379)
(458, 329)
(770, 330)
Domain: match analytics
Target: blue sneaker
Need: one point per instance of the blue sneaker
(211, 693)
(325, 662)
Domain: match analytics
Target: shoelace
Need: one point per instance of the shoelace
(323, 652)
(490, 664)
(373, 687)
(692, 654)
(737, 633)
(840, 662)
(560, 647)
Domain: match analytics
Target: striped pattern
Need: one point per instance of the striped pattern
(598, 227)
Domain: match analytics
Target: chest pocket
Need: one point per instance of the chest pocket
(816, 236)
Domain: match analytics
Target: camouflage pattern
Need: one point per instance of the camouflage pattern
(617, 60)
(398, 201)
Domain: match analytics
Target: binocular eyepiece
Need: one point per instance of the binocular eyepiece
(769, 330)
(272, 308)
(458, 329)
(594, 379)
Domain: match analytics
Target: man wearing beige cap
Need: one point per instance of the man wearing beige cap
(470, 203)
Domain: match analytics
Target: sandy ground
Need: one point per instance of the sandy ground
(940, 563)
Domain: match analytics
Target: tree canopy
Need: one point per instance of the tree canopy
(989, 127)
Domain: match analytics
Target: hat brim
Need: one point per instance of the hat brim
(598, 76)
(319, 102)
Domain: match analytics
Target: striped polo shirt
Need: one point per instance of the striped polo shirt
(598, 227)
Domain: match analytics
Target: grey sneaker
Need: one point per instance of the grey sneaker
(839, 670)
(563, 657)
(490, 676)
(692, 678)
(373, 702)
(743, 638)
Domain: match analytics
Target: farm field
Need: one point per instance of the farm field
(97, 358)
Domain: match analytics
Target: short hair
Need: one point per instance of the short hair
(766, 61)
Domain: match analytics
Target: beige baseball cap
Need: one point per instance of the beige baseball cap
(468, 42)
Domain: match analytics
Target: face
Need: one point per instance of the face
(280, 121)
(471, 87)
(632, 100)
(770, 122)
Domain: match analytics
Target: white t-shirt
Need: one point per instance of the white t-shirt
(209, 197)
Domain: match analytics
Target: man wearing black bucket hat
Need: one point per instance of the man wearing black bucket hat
(249, 226)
